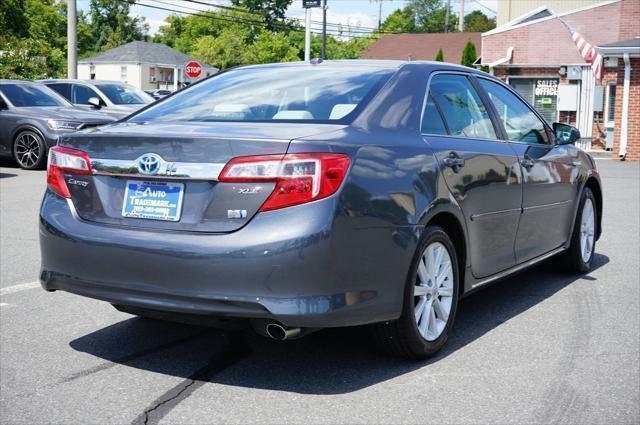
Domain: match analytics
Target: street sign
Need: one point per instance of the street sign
(193, 69)
(311, 3)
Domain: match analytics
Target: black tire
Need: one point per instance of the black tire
(29, 150)
(573, 258)
(401, 338)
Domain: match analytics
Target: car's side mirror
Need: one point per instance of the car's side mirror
(95, 102)
(565, 134)
(3, 105)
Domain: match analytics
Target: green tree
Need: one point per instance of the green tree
(430, 15)
(112, 25)
(440, 56)
(477, 21)
(13, 21)
(226, 50)
(401, 20)
(469, 54)
(271, 47)
(272, 11)
(28, 58)
(170, 32)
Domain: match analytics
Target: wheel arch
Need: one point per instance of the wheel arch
(26, 127)
(594, 185)
(454, 228)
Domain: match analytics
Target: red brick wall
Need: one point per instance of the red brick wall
(633, 123)
(548, 42)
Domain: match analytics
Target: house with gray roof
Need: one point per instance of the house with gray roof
(142, 64)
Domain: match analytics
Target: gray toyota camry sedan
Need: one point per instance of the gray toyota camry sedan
(303, 196)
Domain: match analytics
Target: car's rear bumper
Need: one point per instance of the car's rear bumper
(283, 265)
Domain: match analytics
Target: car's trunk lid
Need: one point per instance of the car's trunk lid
(182, 193)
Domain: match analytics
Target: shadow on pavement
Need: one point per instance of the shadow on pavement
(8, 162)
(332, 361)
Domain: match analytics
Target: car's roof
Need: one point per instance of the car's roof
(9, 81)
(365, 64)
(76, 80)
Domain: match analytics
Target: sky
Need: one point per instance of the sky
(361, 13)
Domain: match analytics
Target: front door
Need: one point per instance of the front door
(549, 174)
(481, 171)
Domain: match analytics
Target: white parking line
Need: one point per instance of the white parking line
(17, 288)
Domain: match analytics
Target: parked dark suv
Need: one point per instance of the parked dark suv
(303, 196)
(32, 117)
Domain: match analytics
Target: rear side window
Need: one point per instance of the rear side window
(432, 122)
(519, 121)
(463, 111)
(63, 90)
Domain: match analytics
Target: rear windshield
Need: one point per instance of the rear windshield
(120, 94)
(21, 95)
(272, 94)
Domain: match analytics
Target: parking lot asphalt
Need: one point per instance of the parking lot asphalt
(540, 347)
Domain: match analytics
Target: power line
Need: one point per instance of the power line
(214, 16)
(237, 9)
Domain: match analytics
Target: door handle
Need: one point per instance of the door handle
(454, 161)
(527, 162)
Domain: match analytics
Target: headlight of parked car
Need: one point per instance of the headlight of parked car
(64, 125)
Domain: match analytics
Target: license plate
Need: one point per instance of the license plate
(153, 201)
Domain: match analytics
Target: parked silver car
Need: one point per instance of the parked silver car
(113, 98)
(32, 117)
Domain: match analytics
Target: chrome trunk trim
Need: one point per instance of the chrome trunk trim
(173, 170)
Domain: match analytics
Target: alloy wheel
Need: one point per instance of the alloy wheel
(27, 150)
(433, 291)
(587, 230)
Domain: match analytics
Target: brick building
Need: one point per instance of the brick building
(422, 46)
(536, 55)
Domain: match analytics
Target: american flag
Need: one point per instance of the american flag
(587, 51)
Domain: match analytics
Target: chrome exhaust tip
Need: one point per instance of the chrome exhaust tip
(280, 333)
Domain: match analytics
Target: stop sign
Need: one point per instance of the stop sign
(193, 69)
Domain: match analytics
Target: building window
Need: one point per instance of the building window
(123, 73)
(542, 93)
(152, 75)
(611, 103)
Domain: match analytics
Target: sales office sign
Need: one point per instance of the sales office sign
(546, 88)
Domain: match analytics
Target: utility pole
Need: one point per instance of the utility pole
(446, 16)
(307, 35)
(72, 49)
(461, 19)
(324, 31)
(379, 16)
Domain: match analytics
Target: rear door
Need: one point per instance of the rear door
(481, 171)
(549, 174)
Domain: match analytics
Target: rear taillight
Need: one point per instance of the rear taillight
(65, 160)
(299, 178)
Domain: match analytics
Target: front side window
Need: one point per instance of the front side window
(82, 94)
(122, 94)
(21, 95)
(463, 111)
(519, 121)
(264, 94)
